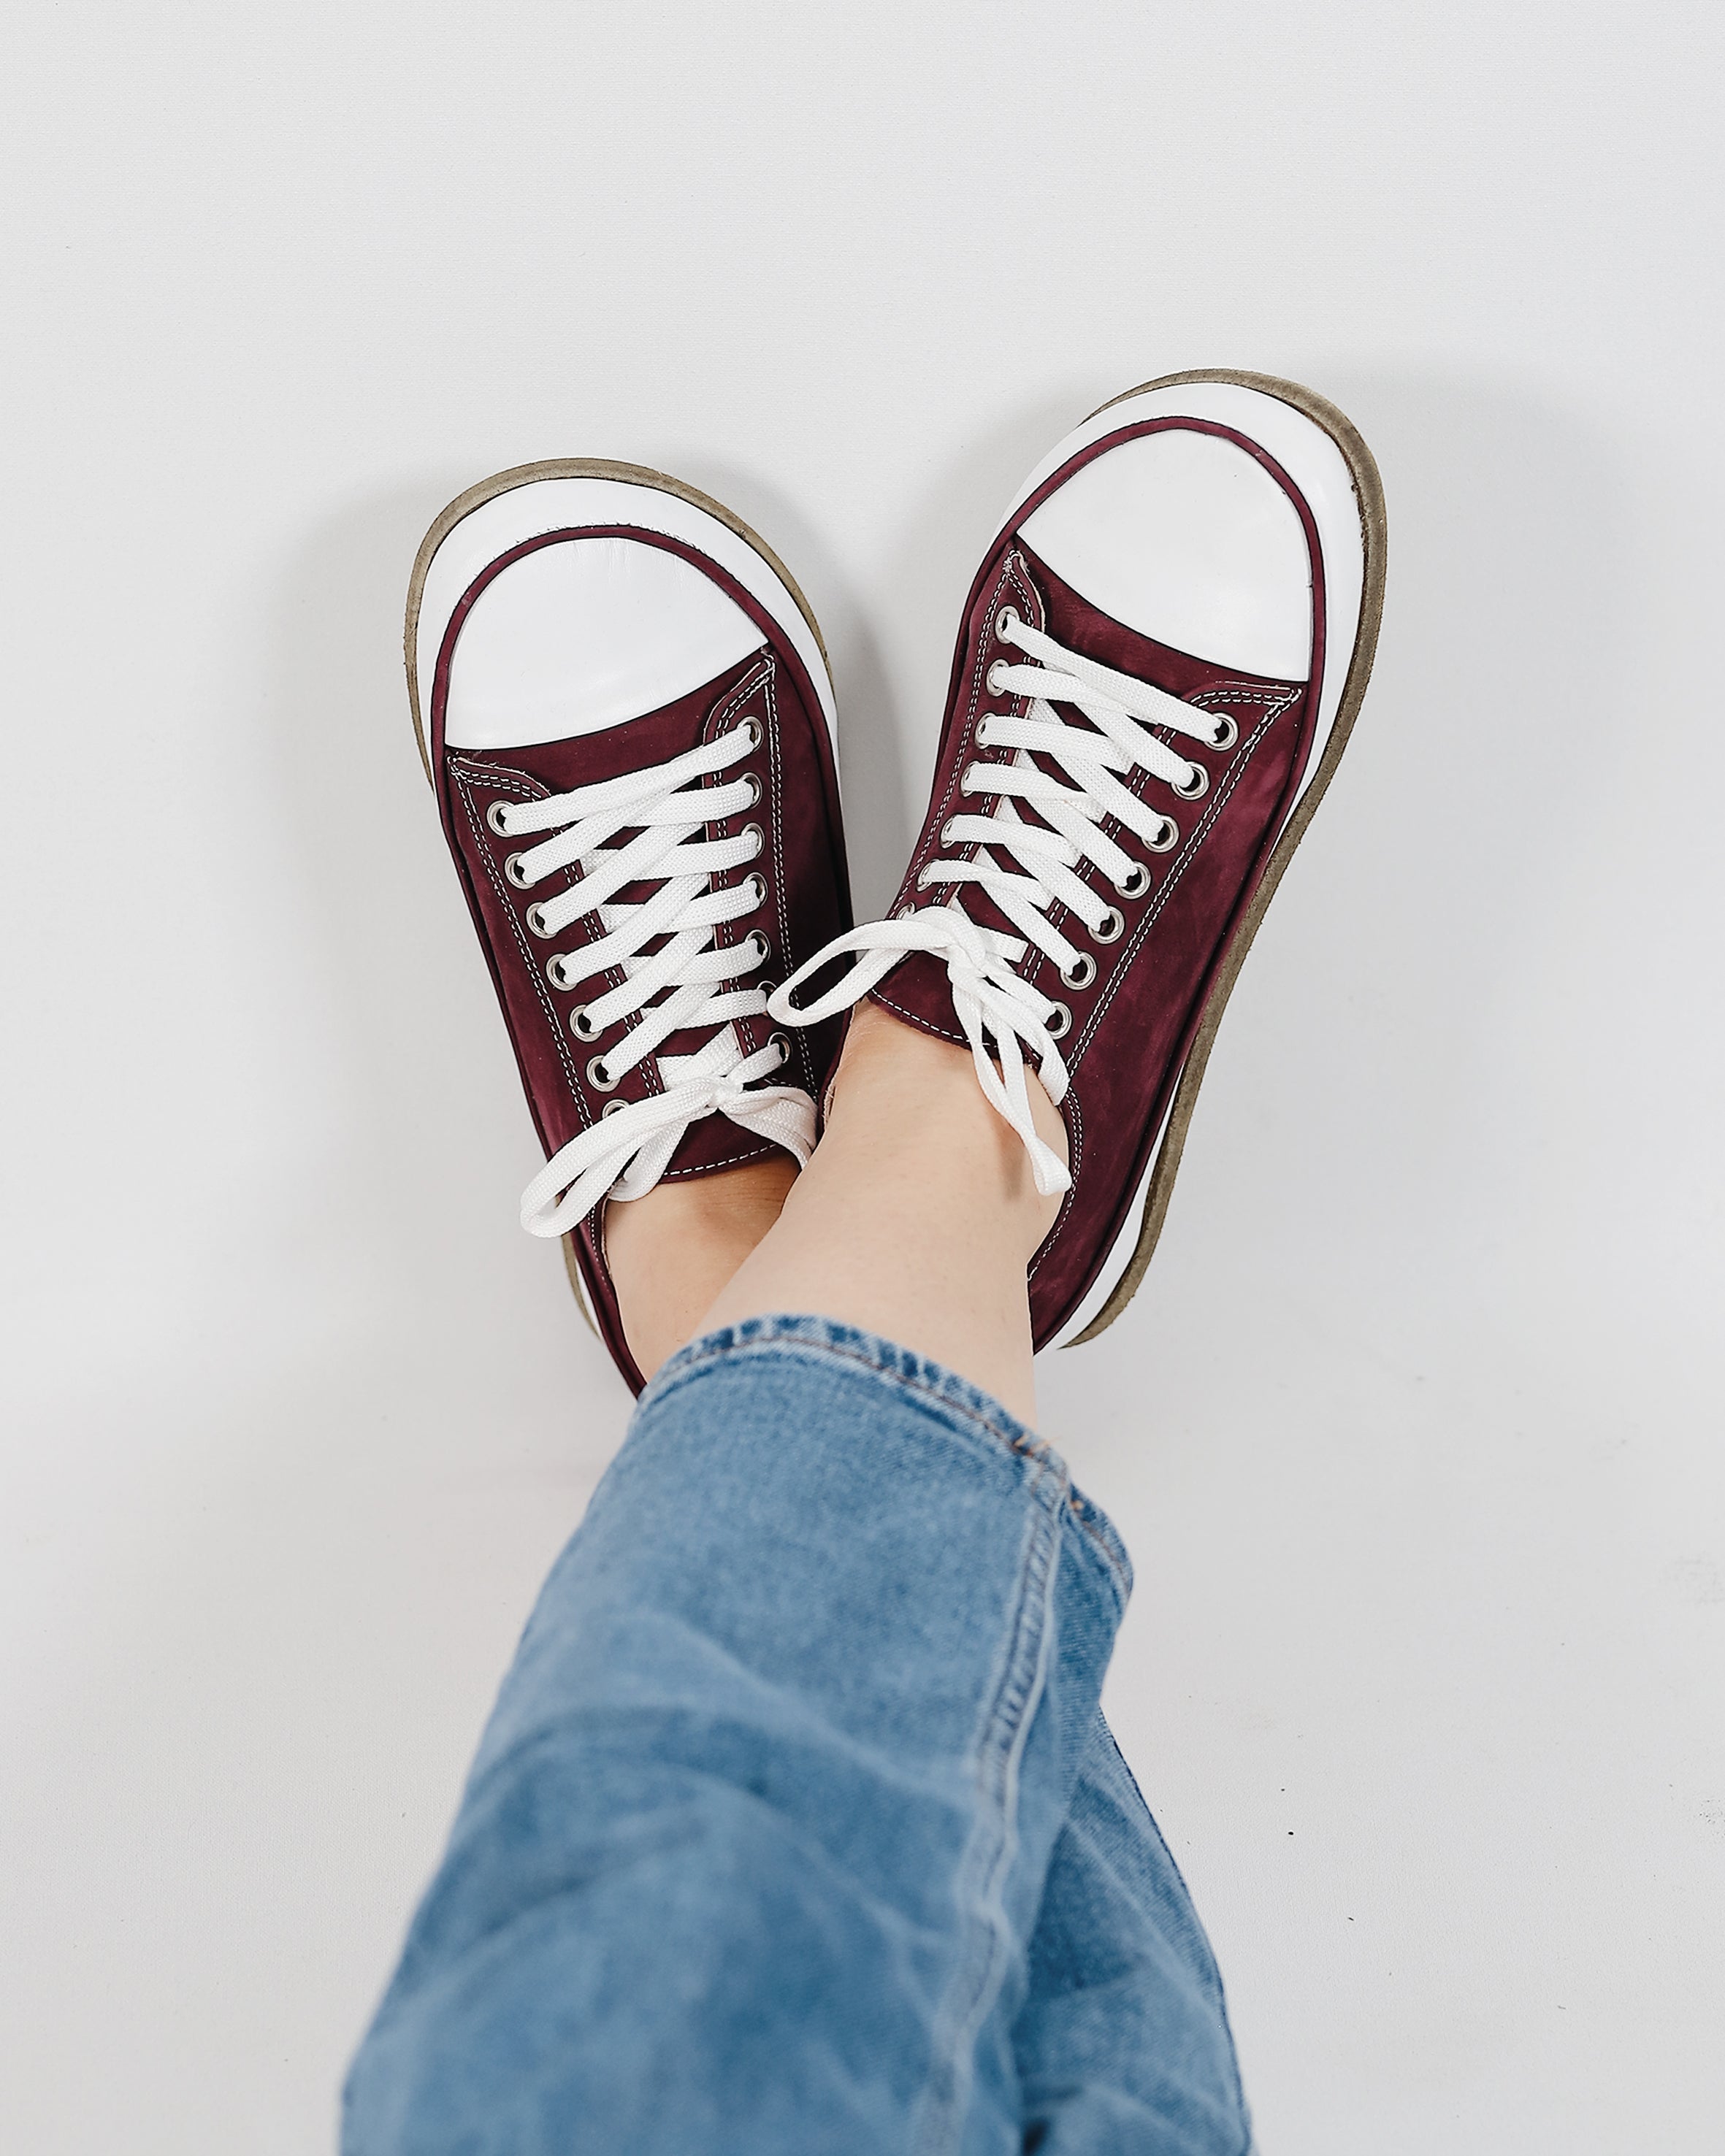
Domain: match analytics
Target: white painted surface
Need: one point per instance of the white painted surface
(1424, 1674)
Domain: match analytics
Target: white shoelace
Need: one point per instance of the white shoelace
(994, 1005)
(698, 984)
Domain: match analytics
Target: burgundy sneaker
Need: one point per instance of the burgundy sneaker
(1159, 664)
(630, 731)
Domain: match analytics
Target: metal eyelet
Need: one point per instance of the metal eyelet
(582, 1026)
(1081, 972)
(513, 869)
(1135, 882)
(782, 1043)
(553, 972)
(1059, 1022)
(612, 1108)
(946, 830)
(1197, 787)
(753, 831)
(907, 912)
(598, 1077)
(1110, 927)
(752, 729)
(1167, 839)
(754, 789)
(984, 739)
(965, 777)
(767, 986)
(756, 942)
(535, 919)
(993, 687)
(756, 886)
(494, 818)
(1227, 733)
(1005, 621)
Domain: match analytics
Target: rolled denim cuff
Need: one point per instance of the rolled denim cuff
(952, 1399)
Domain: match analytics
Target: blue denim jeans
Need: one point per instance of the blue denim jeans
(798, 1828)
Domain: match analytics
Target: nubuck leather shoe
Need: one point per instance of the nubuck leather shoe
(624, 707)
(1157, 669)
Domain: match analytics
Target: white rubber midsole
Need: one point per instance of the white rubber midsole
(1317, 467)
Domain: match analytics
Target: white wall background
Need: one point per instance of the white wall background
(1415, 1432)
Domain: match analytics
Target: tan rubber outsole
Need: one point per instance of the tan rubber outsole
(504, 482)
(1368, 488)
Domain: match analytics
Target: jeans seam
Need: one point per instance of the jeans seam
(1210, 1975)
(1120, 1571)
(991, 1847)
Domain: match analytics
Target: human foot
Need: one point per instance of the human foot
(1160, 661)
(625, 709)
(670, 1253)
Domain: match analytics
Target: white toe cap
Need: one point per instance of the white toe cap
(582, 634)
(1186, 538)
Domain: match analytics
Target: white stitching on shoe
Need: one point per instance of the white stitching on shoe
(467, 778)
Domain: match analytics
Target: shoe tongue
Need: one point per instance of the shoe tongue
(589, 759)
(713, 1143)
(919, 989)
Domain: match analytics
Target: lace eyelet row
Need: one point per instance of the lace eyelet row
(582, 1026)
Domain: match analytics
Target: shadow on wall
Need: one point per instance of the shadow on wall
(437, 1140)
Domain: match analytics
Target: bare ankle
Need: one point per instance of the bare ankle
(670, 1253)
(897, 1084)
(917, 1217)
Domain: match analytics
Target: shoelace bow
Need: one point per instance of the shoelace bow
(699, 986)
(1002, 1014)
